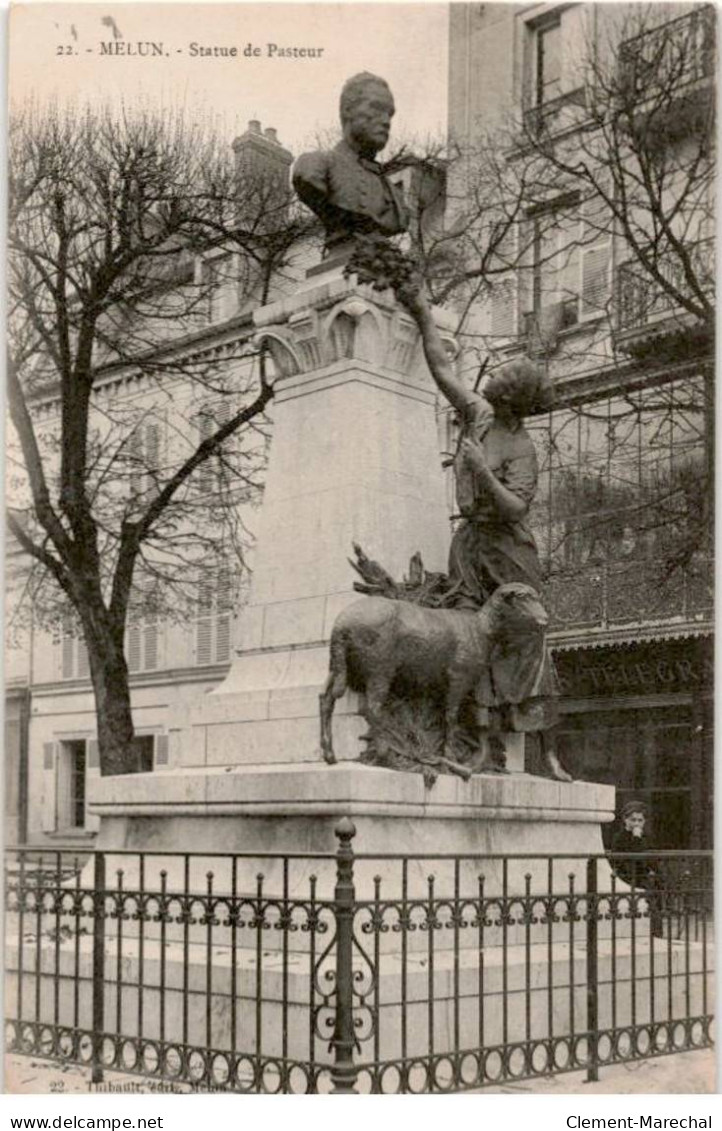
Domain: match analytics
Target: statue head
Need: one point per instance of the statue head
(516, 610)
(367, 107)
(519, 389)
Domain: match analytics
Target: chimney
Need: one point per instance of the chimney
(260, 150)
(261, 158)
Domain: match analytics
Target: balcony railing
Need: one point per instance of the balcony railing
(556, 115)
(673, 55)
(642, 300)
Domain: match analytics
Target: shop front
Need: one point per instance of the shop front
(639, 716)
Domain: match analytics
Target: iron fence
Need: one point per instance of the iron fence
(349, 972)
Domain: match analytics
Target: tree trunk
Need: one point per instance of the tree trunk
(117, 751)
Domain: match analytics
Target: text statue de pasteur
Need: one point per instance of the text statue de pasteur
(441, 659)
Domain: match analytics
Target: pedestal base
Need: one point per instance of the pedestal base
(293, 809)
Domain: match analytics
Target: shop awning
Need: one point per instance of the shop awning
(627, 635)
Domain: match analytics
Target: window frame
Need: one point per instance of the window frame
(547, 24)
(66, 774)
(579, 246)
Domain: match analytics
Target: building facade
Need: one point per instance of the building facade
(623, 511)
(50, 719)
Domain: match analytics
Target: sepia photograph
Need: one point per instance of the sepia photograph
(359, 576)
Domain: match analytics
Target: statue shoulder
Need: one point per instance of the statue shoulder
(312, 166)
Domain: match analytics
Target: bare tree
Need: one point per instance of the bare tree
(635, 143)
(642, 144)
(123, 230)
(614, 172)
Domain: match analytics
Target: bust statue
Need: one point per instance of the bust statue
(346, 186)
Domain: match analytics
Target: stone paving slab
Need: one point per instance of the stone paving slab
(682, 1073)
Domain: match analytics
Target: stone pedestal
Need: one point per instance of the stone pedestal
(294, 810)
(354, 458)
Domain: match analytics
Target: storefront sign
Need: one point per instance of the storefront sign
(643, 669)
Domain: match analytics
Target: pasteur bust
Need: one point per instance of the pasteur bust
(346, 186)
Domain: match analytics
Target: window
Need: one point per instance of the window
(571, 265)
(217, 288)
(211, 417)
(548, 59)
(72, 766)
(144, 745)
(554, 78)
(213, 627)
(547, 252)
(74, 663)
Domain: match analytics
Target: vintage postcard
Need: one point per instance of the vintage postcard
(359, 555)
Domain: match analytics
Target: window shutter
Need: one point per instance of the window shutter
(214, 621)
(161, 750)
(595, 280)
(222, 414)
(595, 256)
(150, 642)
(152, 455)
(204, 627)
(48, 815)
(145, 455)
(67, 654)
(505, 288)
(223, 638)
(205, 430)
(83, 664)
(223, 615)
(134, 647)
(503, 309)
(210, 419)
(74, 663)
(136, 464)
(143, 636)
(93, 754)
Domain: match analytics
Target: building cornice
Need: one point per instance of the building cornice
(216, 343)
(210, 673)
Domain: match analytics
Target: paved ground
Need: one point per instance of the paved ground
(684, 1073)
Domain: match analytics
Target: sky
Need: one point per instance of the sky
(56, 56)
